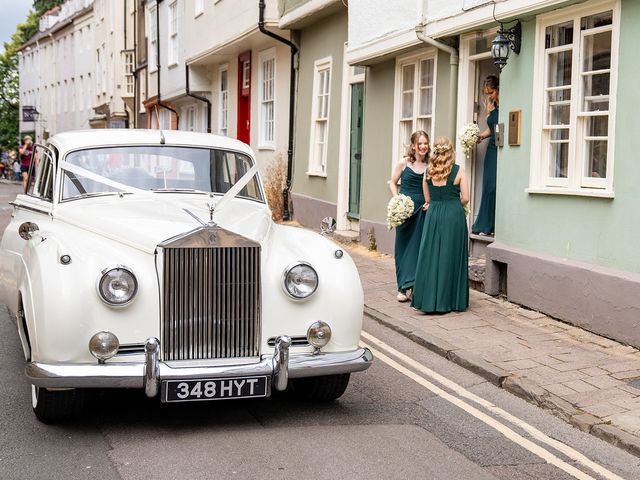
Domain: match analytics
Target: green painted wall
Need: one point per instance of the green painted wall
(325, 38)
(377, 141)
(593, 230)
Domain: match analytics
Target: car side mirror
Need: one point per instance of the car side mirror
(26, 230)
(327, 226)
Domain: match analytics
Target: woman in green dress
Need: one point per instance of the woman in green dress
(485, 222)
(410, 171)
(442, 282)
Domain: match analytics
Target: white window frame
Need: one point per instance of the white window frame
(318, 163)
(416, 119)
(246, 73)
(142, 93)
(576, 183)
(198, 8)
(267, 100)
(172, 30)
(223, 102)
(190, 115)
(105, 64)
(98, 69)
(152, 39)
(128, 56)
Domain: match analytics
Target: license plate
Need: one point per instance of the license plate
(214, 389)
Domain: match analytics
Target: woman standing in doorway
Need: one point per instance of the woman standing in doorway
(410, 171)
(485, 222)
(442, 281)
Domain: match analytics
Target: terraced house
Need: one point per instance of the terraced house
(335, 88)
(374, 71)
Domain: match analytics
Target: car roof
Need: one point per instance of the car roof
(76, 139)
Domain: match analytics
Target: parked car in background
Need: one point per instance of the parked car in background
(148, 259)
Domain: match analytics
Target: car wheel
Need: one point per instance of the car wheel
(321, 389)
(51, 406)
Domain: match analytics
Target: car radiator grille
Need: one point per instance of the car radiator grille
(211, 303)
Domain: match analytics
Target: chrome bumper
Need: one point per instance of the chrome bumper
(149, 375)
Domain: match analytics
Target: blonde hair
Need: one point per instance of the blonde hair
(442, 160)
(410, 153)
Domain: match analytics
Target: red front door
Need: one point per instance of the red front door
(244, 97)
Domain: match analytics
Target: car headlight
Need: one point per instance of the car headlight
(117, 285)
(300, 280)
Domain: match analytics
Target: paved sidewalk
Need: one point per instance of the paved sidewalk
(589, 381)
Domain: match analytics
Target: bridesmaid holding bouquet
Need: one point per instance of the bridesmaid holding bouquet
(410, 171)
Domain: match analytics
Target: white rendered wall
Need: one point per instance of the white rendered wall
(56, 76)
(222, 22)
(371, 20)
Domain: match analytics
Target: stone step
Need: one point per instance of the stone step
(346, 236)
(477, 267)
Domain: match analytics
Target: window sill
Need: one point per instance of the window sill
(270, 148)
(317, 174)
(172, 65)
(199, 14)
(577, 193)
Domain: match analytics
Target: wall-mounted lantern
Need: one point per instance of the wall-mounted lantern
(507, 39)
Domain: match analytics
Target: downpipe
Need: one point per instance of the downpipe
(292, 94)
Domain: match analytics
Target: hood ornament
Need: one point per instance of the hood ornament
(212, 209)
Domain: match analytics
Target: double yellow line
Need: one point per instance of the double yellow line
(376, 346)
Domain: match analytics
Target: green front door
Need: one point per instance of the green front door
(355, 149)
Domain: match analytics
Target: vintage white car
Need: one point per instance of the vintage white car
(148, 259)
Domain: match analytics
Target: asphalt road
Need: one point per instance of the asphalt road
(397, 420)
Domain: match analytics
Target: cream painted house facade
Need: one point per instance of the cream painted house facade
(57, 74)
(244, 72)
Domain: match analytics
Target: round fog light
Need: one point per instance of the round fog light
(319, 334)
(103, 345)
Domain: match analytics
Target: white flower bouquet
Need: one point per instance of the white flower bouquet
(399, 209)
(468, 137)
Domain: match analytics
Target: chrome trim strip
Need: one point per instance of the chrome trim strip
(31, 209)
(132, 375)
(334, 363)
(296, 341)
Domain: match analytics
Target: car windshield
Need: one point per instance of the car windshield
(156, 168)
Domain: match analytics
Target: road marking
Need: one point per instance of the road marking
(505, 430)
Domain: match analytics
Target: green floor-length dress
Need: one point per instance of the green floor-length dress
(442, 282)
(485, 222)
(409, 234)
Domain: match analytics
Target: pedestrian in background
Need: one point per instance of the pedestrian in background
(16, 170)
(442, 282)
(410, 171)
(485, 222)
(26, 154)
